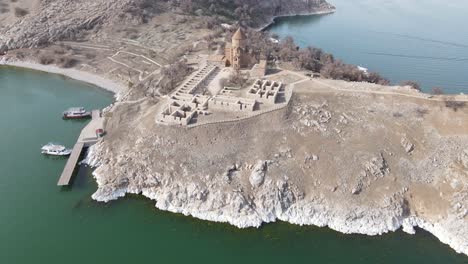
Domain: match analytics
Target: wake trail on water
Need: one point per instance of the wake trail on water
(448, 43)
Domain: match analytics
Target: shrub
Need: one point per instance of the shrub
(172, 75)
(60, 50)
(312, 59)
(237, 79)
(46, 59)
(412, 84)
(90, 56)
(20, 55)
(67, 62)
(420, 112)
(20, 12)
(455, 105)
(437, 90)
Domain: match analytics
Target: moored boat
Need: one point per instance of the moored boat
(55, 150)
(76, 112)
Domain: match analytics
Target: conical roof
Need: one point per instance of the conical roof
(239, 35)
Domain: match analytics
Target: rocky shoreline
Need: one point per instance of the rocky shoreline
(213, 197)
(359, 220)
(274, 19)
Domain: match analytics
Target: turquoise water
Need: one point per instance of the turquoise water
(422, 40)
(42, 223)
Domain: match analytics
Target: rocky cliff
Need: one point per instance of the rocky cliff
(308, 164)
(278, 8)
(54, 20)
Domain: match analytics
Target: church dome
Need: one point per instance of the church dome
(239, 35)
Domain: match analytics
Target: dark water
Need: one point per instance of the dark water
(41, 223)
(422, 40)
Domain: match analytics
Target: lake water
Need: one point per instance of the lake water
(42, 223)
(421, 40)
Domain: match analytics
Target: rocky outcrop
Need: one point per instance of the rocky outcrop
(273, 200)
(279, 200)
(464, 158)
(269, 10)
(407, 145)
(257, 177)
(276, 200)
(67, 20)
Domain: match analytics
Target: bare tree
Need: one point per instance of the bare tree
(172, 75)
(412, 84)
(187, 6)
(437, 90)
(237, 78)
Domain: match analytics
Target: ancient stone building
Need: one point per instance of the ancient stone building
(237, 54)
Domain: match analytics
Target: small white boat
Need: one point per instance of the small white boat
(55, 150)
(363, 69)
(76, 112)
(273, 40)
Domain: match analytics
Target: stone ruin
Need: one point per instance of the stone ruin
(230, 103)
(265, 90)
(184, 104)
(182, 109)
(188, 102)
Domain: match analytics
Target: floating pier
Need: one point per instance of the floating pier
(88, 137)
(67, 172)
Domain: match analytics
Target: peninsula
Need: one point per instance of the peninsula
(225, 123)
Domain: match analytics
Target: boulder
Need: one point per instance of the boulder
(257, 177)
(377, 167)
(407, 145)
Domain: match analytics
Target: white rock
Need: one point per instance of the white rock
(407, 145)
(258, 174)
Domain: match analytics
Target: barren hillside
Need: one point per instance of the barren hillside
(359, 158)
(40, 22)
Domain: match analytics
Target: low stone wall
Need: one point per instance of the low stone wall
(288, 95)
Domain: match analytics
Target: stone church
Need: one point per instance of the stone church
(237, 54)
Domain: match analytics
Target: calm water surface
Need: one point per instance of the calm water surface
(422, 40)
(41, 223)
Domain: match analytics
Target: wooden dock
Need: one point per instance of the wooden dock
(87, 138)
(67, 172)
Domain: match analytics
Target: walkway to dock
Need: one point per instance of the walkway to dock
(67, 172)
(87, 138)
(88, 134)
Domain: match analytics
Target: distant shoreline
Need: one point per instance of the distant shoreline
(75, 74)
(274, 19)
